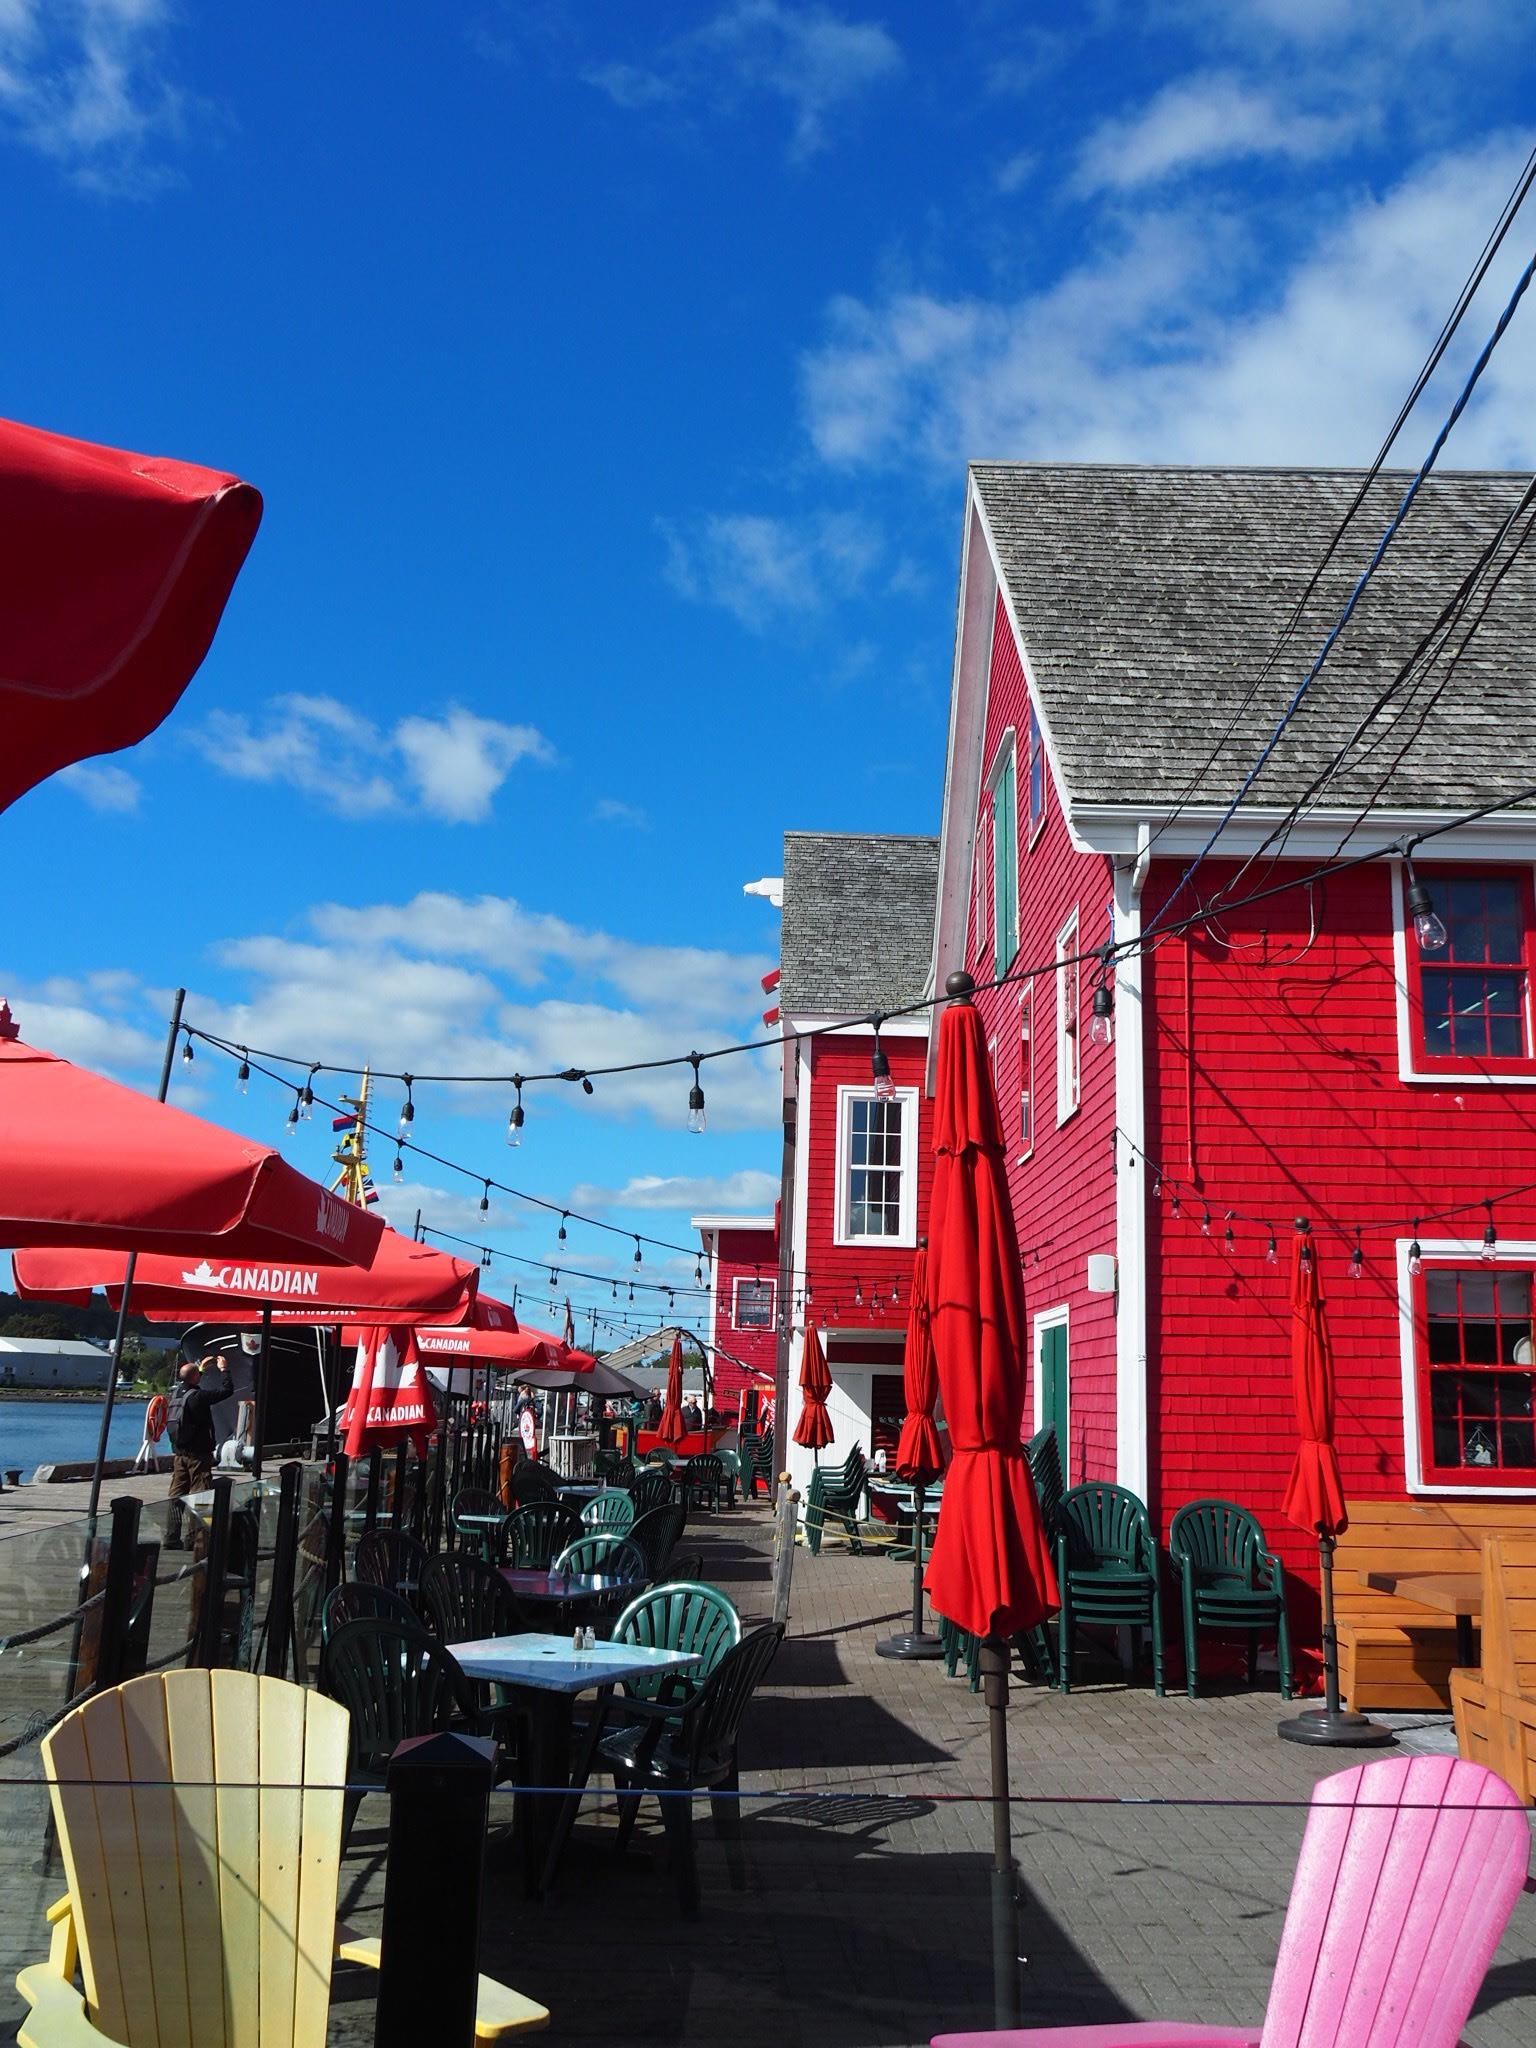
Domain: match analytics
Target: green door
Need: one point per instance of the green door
(1053, 1383)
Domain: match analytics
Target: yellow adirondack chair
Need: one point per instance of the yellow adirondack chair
(199, 1815)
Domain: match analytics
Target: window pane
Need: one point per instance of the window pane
(1474, 1014)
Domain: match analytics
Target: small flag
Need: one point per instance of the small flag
(343, 1123)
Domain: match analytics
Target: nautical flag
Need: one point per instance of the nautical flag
(344, 1123)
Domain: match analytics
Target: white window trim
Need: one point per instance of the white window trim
(1027, 1065)
(906, 1237)
(1058, 1318)
(771, 1282)
(1455, 1078)
(1068, 1042)
(1005, 753)
(1467, 1251)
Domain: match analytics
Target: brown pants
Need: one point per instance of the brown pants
(191, 1472)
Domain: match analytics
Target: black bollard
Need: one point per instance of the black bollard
(429, 1964)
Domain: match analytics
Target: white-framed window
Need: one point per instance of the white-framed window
(876, 1167)
(1035, 767)
(1465, 1008)
(753, 1303)
(1068, 985)
(1002, 785)
(1027, 1069)
(1469, 1366)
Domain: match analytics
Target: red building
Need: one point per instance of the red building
(741, 1261)
(1299, 1055)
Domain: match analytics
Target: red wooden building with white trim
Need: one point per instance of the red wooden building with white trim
(1300, 1055)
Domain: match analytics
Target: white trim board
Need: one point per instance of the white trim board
(1058, 1317)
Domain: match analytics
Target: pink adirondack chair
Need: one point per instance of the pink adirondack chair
(1409, 1870)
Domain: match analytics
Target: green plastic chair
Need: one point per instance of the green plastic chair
(652, 1489)
(479, 1522)
(537, 1533)
(612, 1509)
(1106, 1568)
(703, 1478)
(838, 1491)
(678, 1616)
(606, 1554)
(1230, 1582)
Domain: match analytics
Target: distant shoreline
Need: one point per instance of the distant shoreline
(67, 1394)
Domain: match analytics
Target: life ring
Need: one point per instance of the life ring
(156, 1416)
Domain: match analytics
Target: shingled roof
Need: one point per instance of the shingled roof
(858, 921)
(1148, 599)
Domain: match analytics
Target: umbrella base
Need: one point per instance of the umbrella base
(1340, 1729)
(910, 1645)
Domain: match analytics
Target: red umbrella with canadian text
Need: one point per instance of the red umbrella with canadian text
(814, 1429)
(390, 1396)
(114, 573)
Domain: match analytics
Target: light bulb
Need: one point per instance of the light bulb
(696, 1100)
(398, 1171)
(1415, 1258)
(293, 1115)
(1427, 926)
(485, 1200)
(243, 1078)
(1271, 1254)
(637, 1251)
(1356, 1263)
(186, 1054)
(858, 1295)
(1176, 1207)
(1205, 1224)
(306, 1104)
(1490, 1250)
(515, 1125)
(880, 1068)
(1101, 1030)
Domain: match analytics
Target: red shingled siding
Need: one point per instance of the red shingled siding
(1064, 1193)
(1298, 1110)
(842, 1059)
(750, 1255)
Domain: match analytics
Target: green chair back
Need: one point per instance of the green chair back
(537, 1533)
(698, 1619)
(653, 1489)
(611, 1509)
(361, 1600)
(467, 1600)
(1043, 1455)
(606, 1554)
(1105, 1526)
(1218, 1537)
(394, 1682)
(655, 1536)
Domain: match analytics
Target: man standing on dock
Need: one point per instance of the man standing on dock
(200, 1384)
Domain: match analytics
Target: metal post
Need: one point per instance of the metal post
(336, 1533)
(117, 1596)
(332, 1391)
(439, 1796)
(281, 1633)
(263, 1380)
(1332, 1726)
(397, 1490)
(371, 1498)
(916, 1642)
(439, 1478)
(215, 1571)
(121, 1331)
(1005, 1897)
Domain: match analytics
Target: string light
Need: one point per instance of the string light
(485, 1200)
(485, 1258)
(696, 1117)
(1271, 1252)
(243, 1077)
(1101, 1028)
(564, 1217)
(1415, 1252)
(698, 1273)
(637, 1251)
(1490, 1250)
(293, 1115)
(1205, 1224)
(397, 1172)
(1356, 1260)
(895, 1295)
(407, 1108)
(1229, 1235)
(515, 1120)
(186, 1051)
(1428, 928)
(307, 1098)
(1176, 1207)
(858, 1295)
(880, 1068)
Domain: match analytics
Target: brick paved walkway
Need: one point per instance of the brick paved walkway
(865, 1918)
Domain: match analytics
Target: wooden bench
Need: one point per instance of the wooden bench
(1495, 1707)
(1393, 1653)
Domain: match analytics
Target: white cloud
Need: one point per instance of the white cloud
(450, 766)
(1212, 118)
(102, 784)
(747, 1192)
(1151, 346)
(814, 61)
(93, 1020)
(83, 82)
(1016, 171)
(764, 570)
(612, 810)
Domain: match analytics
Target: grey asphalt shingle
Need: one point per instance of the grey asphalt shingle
(1148, 599)
(858, 921)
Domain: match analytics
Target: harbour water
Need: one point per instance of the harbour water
(34, 1433)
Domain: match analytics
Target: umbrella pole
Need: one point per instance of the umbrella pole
(263, 1377)
(1332, 1725)
(1005, 1900)
(133, 1258)
(916, 1642)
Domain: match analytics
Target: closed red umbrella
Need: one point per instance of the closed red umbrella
(991, 1569)
(671, 1429)
(919, 1456)
(390, 1396)
(407, 1282)
(814, 1429)
(90, 1163)
(1314, 1499)
(114, 573)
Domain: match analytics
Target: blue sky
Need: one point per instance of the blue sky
(609, 373)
